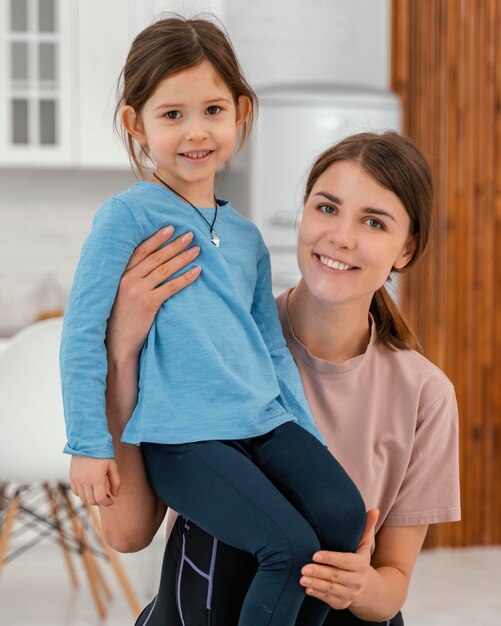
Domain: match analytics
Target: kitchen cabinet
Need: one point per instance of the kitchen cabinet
(36, 111)
(59, 65)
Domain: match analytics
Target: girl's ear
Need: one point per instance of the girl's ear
(407, 254)
(133, 124)
(244, 108)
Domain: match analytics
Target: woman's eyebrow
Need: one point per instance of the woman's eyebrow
(374, 211)
(330, 197)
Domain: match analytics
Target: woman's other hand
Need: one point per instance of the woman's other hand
(139, 295)
(338, 578)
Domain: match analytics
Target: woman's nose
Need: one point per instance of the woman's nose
(342, 234)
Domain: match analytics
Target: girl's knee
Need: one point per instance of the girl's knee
(340, 524)
(290, 549)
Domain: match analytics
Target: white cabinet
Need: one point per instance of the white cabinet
(59, 65)
(35, 82)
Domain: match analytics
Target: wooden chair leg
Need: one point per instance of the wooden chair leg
(3, 502)
(62, 539)
(101, 580)
(88, 559)
(116, 565)
(10, 518)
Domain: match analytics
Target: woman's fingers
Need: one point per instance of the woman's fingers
(164, 271)
(336, 587)
(149, 245)
(149, 259)
(174, 285)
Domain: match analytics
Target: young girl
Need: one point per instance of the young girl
(387, 414)
(224, 427)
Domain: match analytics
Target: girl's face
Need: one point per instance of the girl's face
(189, 126)
(353, 233)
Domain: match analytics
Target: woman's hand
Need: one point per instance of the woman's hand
(338, 578)
(139, 296)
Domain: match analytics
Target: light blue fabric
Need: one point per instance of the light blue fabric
(215, 364)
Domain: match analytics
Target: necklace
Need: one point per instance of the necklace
(214, 238)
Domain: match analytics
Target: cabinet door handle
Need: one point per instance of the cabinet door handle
(283, 218)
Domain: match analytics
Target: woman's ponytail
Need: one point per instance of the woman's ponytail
(391, 326)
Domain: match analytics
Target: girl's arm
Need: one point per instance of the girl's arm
(131, 523)
(265, 314)
(374, 589)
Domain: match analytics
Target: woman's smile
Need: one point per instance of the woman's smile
(334, 263)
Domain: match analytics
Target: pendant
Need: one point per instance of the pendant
(215, 239)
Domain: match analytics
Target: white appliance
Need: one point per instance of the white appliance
(294, 125)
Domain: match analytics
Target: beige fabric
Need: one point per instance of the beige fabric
(390, 418)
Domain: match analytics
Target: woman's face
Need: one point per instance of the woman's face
(353, 233)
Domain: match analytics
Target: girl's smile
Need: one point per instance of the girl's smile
(189, 128)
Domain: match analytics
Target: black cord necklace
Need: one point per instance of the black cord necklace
(214, 238)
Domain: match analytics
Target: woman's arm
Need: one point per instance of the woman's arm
(132, 521)
(374, 589)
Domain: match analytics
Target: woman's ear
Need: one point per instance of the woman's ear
(244, 108)
(407, 253)
(133, 125)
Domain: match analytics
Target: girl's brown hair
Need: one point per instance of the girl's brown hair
(395, 162)
(169, 46)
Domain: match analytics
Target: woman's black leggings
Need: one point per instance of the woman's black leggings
(204, 582)
(281, 497)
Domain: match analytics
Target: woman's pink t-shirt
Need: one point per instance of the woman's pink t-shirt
(390, 418)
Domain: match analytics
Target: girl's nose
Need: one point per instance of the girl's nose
(195, 130)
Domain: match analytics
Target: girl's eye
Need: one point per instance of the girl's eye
(173, 115)
(213, 110)
(375, 223)
(326, 208)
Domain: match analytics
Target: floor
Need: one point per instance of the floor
(450, 588)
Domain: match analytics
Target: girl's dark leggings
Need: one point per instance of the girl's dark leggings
(204, 582)
(281, 497)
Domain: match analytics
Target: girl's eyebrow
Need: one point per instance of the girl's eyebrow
(218, 99)
(168, 105)
(366, 210)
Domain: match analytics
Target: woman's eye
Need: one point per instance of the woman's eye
(375, 223)
(326, 208)
(173, 115)
(213, 110)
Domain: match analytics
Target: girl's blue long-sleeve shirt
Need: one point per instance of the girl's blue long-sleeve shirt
(215, 364)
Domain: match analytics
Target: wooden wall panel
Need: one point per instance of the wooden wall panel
(446, 67)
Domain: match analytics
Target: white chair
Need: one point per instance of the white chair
(34, 490)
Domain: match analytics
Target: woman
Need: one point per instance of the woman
(386, 412)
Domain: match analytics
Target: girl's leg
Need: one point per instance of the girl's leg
(222, 491)
(319, 488)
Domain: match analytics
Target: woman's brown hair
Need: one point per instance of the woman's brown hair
(397, 164)
(169, 46)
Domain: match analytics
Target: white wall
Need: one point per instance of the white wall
(290, 41)
(45, 214)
